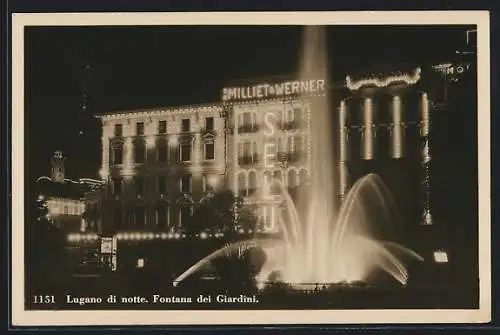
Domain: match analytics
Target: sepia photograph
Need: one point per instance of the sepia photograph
(262, 168)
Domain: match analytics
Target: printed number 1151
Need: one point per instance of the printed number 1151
(44, 299)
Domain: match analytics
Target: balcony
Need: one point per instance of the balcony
(290, 125)
(290, 157)
(248, 128)
(248, 159)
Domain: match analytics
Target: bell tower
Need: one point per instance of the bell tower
(58, 167)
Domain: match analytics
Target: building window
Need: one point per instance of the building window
(162, 152)
(298, 116)
(162, 127)
(139, 128)
(117, 155)
(140, 152)
(118, 216)
(209, 150)
(209, 123)
(247, 122)
(277, 180)
(209, 183)
(247, 153)
(252, 183)
(185, 184)
(118, 130)
(139, 186)
(117, 187)
(303, 177)
(185, 151)
(162, 185)
(140, 216)
(185, 213)
(186, 125)
(162, 216)
(242, 184)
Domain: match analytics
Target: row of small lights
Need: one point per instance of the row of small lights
(409, 79)
(138, 236)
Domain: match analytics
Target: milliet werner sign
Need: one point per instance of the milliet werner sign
(263, 91)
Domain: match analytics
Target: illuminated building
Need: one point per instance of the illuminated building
(270, 142)
(385, 127)
(158, 164)
(66, 198)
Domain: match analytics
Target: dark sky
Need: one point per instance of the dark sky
(134, 67)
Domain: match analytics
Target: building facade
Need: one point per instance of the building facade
(385, 128)
(66, 199)
(268, 144)
(159, 164)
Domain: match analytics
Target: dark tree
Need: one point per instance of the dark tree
(45, 247)
(222, 212)
(238, 270)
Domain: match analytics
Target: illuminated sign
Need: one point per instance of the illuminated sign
(106, 245)
(262, 91)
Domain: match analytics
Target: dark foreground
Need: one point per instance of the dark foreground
(113, 292)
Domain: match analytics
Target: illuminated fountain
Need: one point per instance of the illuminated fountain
(328, 246)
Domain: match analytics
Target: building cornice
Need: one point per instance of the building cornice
(161, 111)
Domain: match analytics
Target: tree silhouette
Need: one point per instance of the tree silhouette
(222, 212)
(45, 246)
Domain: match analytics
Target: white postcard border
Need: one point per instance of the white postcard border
(21, 317)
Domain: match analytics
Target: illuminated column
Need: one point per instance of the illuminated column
(309, 131)
(426, 160)
(343, 150)
(197, 150)
(425, 127)
(367, 129)
(105, 152)
(397, 128)
(150, 131)
(236, 148)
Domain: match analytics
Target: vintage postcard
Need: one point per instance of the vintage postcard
(250, 168)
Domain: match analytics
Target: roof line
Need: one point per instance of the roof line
(159, 108)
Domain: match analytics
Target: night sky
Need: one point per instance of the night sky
(73, 72)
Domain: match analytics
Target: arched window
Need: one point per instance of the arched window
(292, 183)
(267, 182)
(303, 177)
(162, 151)
(292, 179)
(185, 214)
(242, 184)
(162, 216)
(252, 182)
(140, 216)
(298, 116)
(140, 151)
(277, 180)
